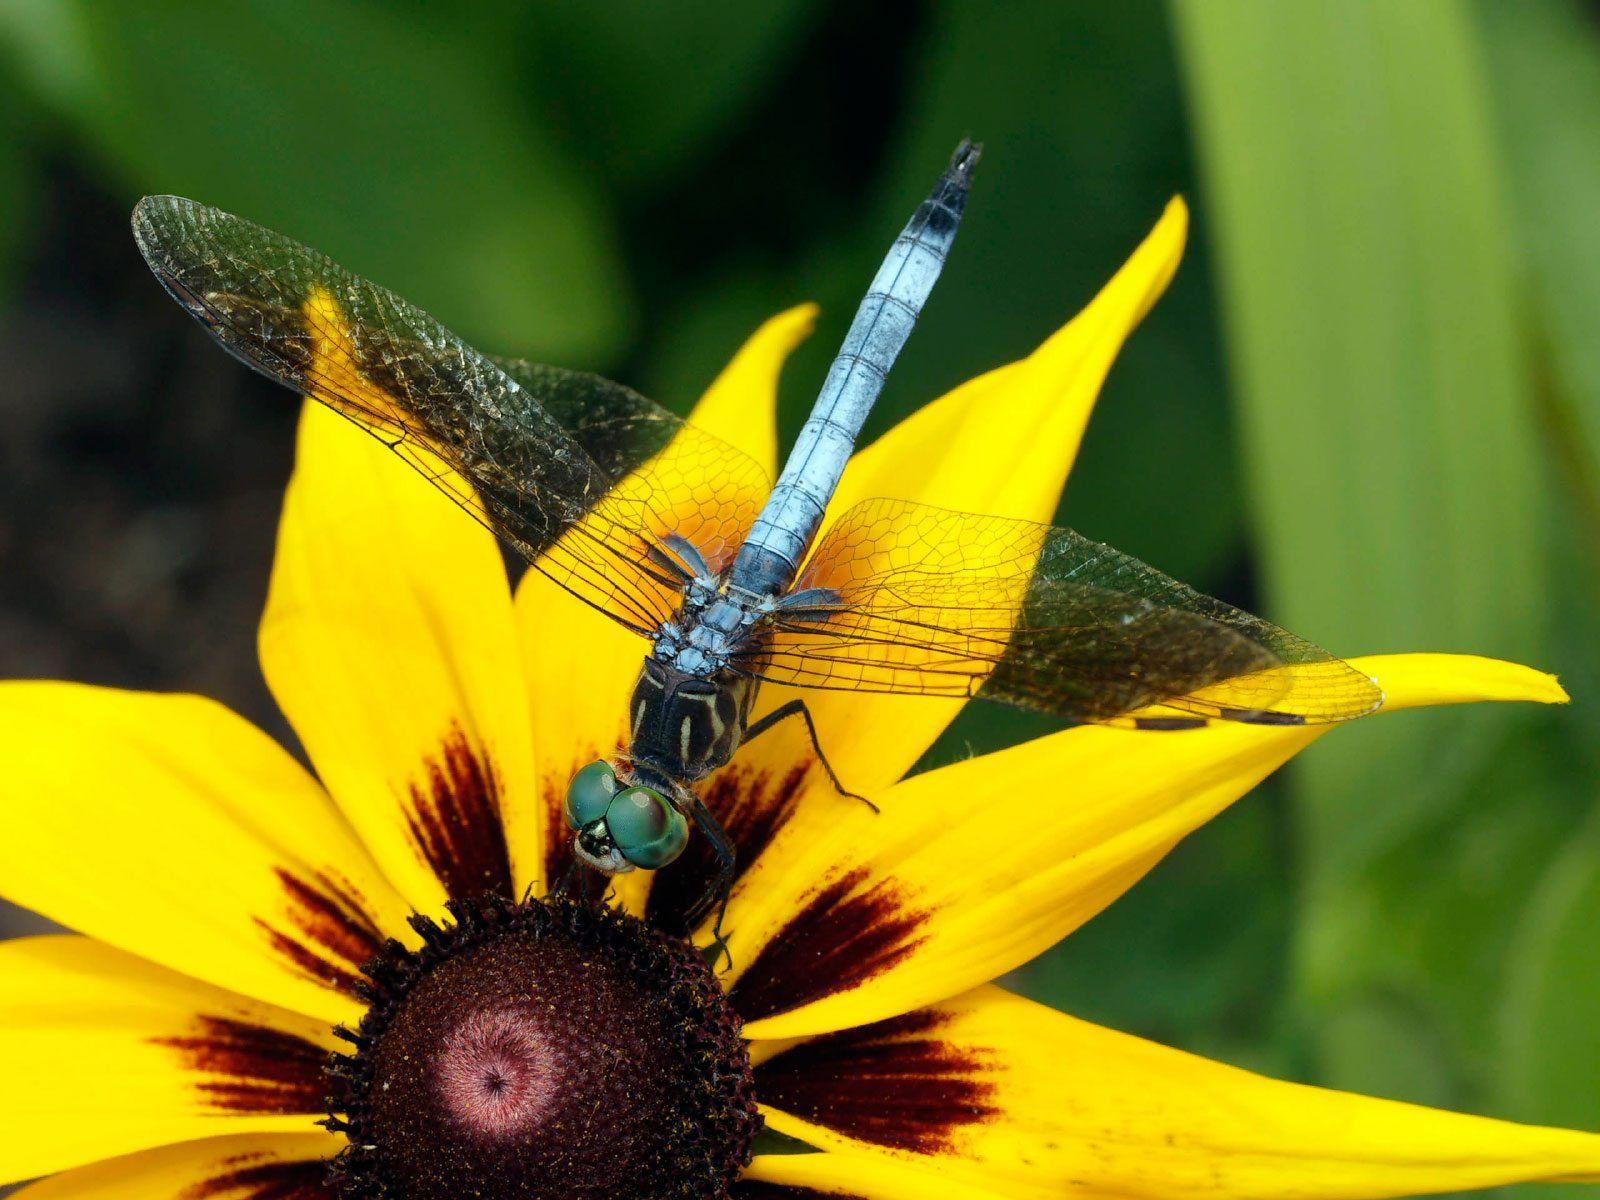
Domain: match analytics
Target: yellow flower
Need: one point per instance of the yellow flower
(227, 900)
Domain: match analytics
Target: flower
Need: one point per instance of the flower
(228, 900)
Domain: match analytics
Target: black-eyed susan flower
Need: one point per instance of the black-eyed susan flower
(287, 984)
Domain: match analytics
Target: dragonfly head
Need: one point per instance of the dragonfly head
(617, 828)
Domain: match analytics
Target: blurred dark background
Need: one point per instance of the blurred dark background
(1369, 406)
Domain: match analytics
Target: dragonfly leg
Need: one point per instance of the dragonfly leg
(581, 883)
(797, 708)
(716, 893)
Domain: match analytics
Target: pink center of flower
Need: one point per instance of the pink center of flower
(495, 1074)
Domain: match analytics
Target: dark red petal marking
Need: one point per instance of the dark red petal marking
(330, 935)
(893, 1083)
(246, 1178)
(557, 837)
(248, 1068)
(751, 806)
(758, 1189)
(454, 817)
(839, 939)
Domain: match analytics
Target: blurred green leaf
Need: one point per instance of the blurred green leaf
(399, 147)
(1193, 954)
(1545, 58)
(1551, 1037)
(1388, 422)
(1421, 936)
(609, 70)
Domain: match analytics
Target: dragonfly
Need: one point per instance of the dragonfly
(731, 581)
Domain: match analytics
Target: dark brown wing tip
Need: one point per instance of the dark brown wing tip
(154, 244)
(145, 221)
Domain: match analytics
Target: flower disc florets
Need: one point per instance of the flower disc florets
(546, 1049)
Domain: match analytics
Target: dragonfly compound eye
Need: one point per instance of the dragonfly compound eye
(589, 794)
(648, 831)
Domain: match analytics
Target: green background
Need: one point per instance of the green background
(1369, 406)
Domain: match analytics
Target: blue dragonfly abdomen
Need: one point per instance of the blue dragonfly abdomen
(770, 557)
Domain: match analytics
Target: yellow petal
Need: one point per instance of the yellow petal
(856, 1176)
(389, 643)
(741, 406)
(242, 1167)
(973, 869)
(996, 1090)
(580, 666)
(107, 1054)
(1423, 680)
(172, 828)
(1003, 444)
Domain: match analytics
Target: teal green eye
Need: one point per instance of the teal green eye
(589, 794)
(649, 831)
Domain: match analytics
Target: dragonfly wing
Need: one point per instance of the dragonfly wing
(920, 600)
(513, 444)
(705, 489)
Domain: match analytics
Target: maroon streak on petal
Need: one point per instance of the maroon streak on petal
(839, 939)
(557, 836)
(760, 1189)
(329, 934)
(454, 818)
(272, 1180)
(246, 1068)
(895, 1083)
(751, 806)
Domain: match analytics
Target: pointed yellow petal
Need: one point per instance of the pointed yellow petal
(973, 869)
(1421, 680)
(389, 644)
(1002, 444)
(999, 1091)
(741, 406)
(172, 828)
(858, 1177)
(106, 1054)
(242, 1167)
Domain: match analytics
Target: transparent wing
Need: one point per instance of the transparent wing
(702, 488)
(906, 598)
(582, 476)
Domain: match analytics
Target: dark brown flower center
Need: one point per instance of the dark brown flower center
(546, 1049)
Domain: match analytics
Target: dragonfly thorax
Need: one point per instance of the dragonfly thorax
(685, 725)
(704, 636)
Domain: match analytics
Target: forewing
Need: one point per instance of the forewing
(580, 475)
(694, 484)
(934, 602)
